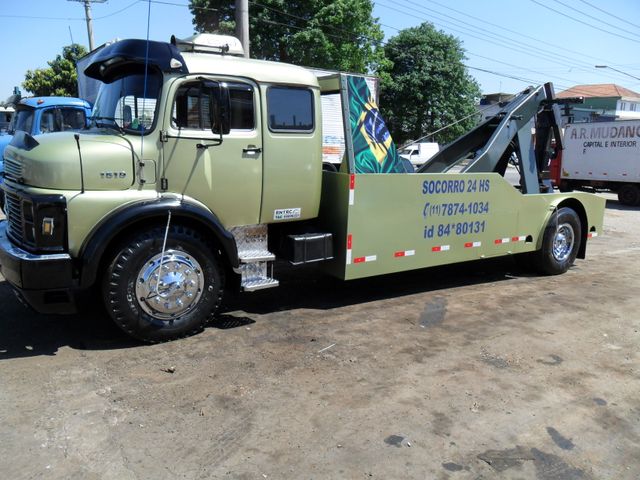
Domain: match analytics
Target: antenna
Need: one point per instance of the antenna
(77, 137)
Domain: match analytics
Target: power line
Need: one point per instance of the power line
(273, 22)
(597, 19)
(584, 66)
(306, 20)
(516, 46)
(87, 14)
(583, 22)
(209, 9)
(610, 14)
(499, 41)
(520, 34)
(118, 11)
(80, 19)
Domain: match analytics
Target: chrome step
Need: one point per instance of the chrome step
(259, 284)
(252, 256)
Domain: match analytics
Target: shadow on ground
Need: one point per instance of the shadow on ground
(616, 205)
(26, 333)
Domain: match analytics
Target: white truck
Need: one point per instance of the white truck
(419, 153)
(602, 156)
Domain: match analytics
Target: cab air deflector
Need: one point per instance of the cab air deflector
(130, 56)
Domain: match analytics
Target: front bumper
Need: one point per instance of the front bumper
(44, 281)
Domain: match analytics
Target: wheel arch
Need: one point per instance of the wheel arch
(576, 206)
(129, 218)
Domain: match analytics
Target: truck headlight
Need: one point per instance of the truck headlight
(48, 224)
(37, 223)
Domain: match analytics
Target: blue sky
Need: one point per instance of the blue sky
(510, 43)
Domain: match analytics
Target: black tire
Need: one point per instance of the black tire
(565, 186)
(154, 311)
(560, 243)
(629, 194)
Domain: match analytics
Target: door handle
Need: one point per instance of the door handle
(251, 150)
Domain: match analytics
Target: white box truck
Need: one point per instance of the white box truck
(602, 156)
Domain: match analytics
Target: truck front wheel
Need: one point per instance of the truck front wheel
(560, 243)
(629, 194)
(157, 295)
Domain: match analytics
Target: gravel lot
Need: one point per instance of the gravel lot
(479, 371)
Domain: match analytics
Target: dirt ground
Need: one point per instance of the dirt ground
(479, 371)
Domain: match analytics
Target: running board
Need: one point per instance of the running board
(255, 258)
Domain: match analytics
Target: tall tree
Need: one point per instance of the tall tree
(331, 34)
(427, 87)
(61, 76)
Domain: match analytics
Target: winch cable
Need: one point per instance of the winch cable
(431, 134)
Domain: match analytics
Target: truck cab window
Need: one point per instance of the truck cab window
(48, 122)
(72, 118)
(22, 120)
(191, 107)
(128, 103)
(242, 114)
(61, 119)
(290, 109)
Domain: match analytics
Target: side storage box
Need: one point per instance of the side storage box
(308, 247)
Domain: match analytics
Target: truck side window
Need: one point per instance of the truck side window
(241, 99)
(191, 107)
(290, 109)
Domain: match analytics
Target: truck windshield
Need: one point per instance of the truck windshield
(127, 105)
(22, 120)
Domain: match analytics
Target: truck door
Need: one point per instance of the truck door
(227, 176)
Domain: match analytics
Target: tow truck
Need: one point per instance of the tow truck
(202, 168)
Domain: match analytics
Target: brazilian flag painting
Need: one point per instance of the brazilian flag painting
(373, 147)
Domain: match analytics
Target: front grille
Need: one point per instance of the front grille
(13, 168)
(24, 212)
(13, 211)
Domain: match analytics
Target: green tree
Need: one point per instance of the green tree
(427, 86)
(331, 34)
(61, 76)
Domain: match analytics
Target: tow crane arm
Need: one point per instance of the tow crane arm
(489, 146)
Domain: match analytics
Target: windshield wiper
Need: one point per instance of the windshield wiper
(113, 125)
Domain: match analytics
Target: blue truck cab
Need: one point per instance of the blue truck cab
(38, 115)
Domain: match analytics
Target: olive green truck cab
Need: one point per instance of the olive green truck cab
(202, 168)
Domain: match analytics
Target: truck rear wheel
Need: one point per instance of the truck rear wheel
(157, 296)
(560, 243)
(629, 194)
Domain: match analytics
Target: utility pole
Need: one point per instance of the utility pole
(87, 14)
(242, 24)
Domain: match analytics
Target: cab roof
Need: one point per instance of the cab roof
(261, 71)
(42, 102)
(129, 56)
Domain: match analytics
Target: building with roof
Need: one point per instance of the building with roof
(602, 102)
(491, 103)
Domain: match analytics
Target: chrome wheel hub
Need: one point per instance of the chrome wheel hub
(169, 286)
(563, 242)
